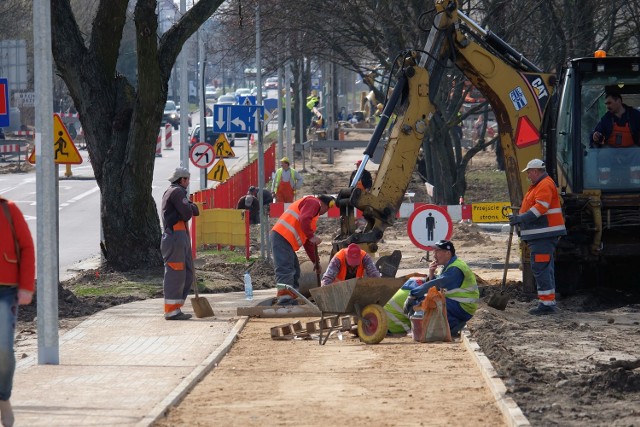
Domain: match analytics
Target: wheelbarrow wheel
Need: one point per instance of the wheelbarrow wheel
(373, 324)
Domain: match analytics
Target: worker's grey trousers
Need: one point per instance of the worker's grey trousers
(285, 261)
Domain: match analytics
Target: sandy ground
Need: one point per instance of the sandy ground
(262, 382)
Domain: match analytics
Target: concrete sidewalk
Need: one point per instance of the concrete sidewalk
(126, 365)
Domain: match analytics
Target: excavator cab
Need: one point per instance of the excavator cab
(599, 183)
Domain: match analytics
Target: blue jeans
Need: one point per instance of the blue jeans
(8, 318)
(285, 261)
(456, 316)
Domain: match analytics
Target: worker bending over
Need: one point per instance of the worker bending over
(349, 263)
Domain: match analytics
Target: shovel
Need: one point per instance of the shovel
(201, 306)
(500, 301)
(318, 281)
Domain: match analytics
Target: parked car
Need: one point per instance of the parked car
(271, 83)
(211, 136)
(210, 93)
(243, 91)
(170, 115)
(227, 99)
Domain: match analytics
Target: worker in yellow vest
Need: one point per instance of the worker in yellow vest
(286, 182)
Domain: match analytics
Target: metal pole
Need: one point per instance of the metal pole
(301, 109)
(260, 131)
(203, 104)
(281, 119)
(289, 113)
(46, 189)
(184, 100)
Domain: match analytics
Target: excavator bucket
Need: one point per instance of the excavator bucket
(388, 264)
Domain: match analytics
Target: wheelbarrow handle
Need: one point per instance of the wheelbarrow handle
(295, 291)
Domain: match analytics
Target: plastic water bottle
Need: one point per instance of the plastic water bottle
(248, 287)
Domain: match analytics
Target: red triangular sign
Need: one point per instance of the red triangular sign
(526, 133)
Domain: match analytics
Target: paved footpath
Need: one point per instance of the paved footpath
(125, 365)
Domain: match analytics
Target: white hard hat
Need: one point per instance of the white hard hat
(534, 164)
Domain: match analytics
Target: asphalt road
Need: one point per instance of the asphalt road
(79, 202)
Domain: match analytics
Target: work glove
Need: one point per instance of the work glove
(514, 219)
(408, 305)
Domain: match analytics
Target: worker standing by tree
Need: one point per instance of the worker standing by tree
(286, 182)
(177, 209)
(295, 228)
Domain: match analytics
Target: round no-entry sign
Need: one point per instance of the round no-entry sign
(202, 155)
(428, 224)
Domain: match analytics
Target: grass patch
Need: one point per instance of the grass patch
(228, 255)
(486, 186)
(118, 289)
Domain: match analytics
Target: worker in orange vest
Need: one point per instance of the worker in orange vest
(349, 263)
(295, 228)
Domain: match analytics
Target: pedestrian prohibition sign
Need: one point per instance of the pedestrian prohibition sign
(428, 224)
(202, 155)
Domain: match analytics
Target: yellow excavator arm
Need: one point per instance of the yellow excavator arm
(516, 89)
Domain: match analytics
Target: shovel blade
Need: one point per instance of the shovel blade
(201, 307)
(499, 301)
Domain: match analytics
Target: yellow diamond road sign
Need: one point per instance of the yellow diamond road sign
(219, 172)
(65, 151)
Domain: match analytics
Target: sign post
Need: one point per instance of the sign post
(428, 224)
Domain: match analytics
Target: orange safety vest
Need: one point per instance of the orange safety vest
(342, 274)
(620, 136)
(289, 227)
(543, 200)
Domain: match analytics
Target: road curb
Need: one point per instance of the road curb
(200, 371)
(511, 412)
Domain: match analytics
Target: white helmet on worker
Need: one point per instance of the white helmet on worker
(534, 164)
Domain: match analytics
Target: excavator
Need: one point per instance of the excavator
(539, 115)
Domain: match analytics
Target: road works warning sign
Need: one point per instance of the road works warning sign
(65, 151)
(222, 147)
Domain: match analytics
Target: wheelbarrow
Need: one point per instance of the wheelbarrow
(363, 297)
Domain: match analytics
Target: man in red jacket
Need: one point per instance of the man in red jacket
(17, 282)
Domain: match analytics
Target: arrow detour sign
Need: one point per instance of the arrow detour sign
(65, 150)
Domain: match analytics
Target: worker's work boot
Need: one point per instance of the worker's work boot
(6, 413)
(179, 316)
(542, 310)
(286, 297)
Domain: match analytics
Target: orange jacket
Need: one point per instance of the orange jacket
(543, 201)
(342, 274)
(290, 226)
(12, 272)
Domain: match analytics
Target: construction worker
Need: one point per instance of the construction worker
(286, 182)
(366, 181)
(349, 263)
(295, 228)
(177, 209)
(541, 225)
(456, 279)
(251, 203)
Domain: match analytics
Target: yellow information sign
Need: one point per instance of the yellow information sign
(218, 172)
(490, 212)
(222, 147)
(65, 150)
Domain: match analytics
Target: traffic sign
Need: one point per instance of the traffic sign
(65, 151)
(222, 147)
(428, 224)
(219, 172)
(237, 118)
(246, 100)
(4, 103)
(490, 212)
(202, 155)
